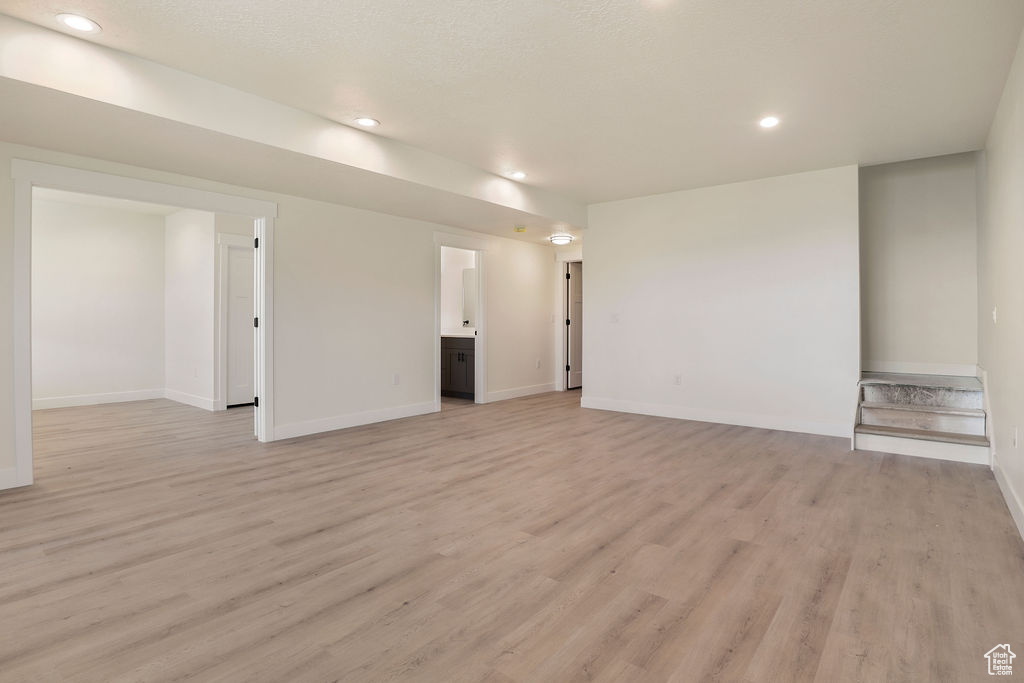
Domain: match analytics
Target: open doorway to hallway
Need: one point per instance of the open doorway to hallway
(574, 325)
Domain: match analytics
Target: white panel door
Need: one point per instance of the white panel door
(241, 311)
(574, 297)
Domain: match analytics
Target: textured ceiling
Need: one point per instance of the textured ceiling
(604, 99)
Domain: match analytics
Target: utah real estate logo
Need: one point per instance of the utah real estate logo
(1000, 660)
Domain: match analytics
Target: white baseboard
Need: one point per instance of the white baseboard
(920, 448)
(519, 392)
(1013, 500)
(330, 424)
(96, 399)
(955, 369)
(190, 399)
(786, 424)
(9, 479)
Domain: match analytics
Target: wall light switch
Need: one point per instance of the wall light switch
(614, 318)
(538, 363)
(677, 380)
(395, 379)
(1016, 433)
(995, 314)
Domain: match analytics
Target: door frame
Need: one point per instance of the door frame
(563, 257)
(225, 243)
(566, 329)
(29, 174)
(480, 246)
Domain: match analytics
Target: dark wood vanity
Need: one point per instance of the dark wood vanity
(457, 366)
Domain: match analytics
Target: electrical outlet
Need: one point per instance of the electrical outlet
(395, 379)
(677, 380)
(614, 318)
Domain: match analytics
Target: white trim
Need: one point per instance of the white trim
(28, 174)
(477, 245)
(519, 392)
(785, 424)
(563, 257)
(190, 399)
(263, 376)
(480, 346)
(96, 399)
(1013, 499)
(468, 242)
(22, 276)
(921, 448)
(330, 424)
(954, 369)
(225, 243)
(9, 479)
(122, 187)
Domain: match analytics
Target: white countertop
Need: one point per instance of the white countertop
(459, 332)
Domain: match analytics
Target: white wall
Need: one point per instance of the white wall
(453, 262)
(520, 319)
(1001, 285)
(97, 305)
(189, 308)
(748, 292)
(919, 272)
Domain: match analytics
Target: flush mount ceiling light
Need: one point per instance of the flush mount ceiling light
(769, 122)
(78, 23)
(367, 122)
(517, 175)
(560, 240)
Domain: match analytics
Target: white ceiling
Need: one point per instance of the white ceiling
(130, 205)
(603, 99)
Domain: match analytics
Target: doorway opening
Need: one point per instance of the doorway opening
(460, 362)
(458, 310)
(118, 299)
(574, 325)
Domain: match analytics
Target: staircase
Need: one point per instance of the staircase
(935, 416)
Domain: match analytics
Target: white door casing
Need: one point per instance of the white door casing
(29, 174)
(240, 314)
(574, 330)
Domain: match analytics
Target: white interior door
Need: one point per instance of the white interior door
(241, 310)
(574, 330)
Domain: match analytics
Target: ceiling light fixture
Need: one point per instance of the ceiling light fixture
(560, 240)
(517, 175)
(367, 122)
(78, 23)
(769, 122)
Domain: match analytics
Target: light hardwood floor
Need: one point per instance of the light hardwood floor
(529, 540)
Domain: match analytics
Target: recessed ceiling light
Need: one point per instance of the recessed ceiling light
(517, 175)
(769, 122)
(79, 23)
(367, 122)
(560, 240)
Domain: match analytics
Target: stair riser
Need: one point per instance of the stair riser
(923, 449)
(920, 419)
(922, 396)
